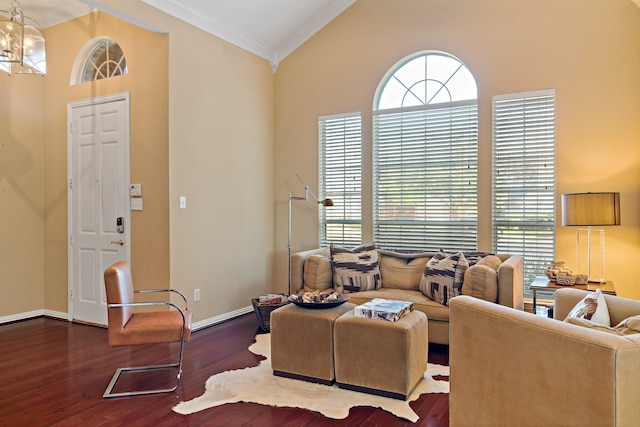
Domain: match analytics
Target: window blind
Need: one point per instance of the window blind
(340, 168)
(524, 178)
(425, 178)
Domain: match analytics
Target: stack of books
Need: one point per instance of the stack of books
(272, 299)
(384, 309)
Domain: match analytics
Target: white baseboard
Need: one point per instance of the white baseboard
(65, 316)
(32, 314)
(219, 319)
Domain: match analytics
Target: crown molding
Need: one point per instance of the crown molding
(274, 54)
(182, 11)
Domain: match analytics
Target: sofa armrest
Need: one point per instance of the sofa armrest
(297, 267)
(509, 367)
(511, 282)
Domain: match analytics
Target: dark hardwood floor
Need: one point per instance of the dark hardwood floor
(53, 373)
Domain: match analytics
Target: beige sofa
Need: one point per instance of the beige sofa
(511, 368)
(510, 291)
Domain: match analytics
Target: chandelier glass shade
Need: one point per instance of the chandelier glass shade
(22, 48)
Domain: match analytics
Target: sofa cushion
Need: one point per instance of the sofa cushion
(592, 307)
(401, 272)
(628, 326)
(481, 281)
(317, 273)
(355, 270)
(443, 277)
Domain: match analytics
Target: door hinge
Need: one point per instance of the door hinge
(71, 239)
(71, 184)
(71, 127)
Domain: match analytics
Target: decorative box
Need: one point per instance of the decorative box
(384, 309)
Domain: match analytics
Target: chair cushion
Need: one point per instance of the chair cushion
(152, 328)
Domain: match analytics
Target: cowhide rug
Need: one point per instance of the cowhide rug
(258, 385)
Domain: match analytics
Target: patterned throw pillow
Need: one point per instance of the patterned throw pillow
(592, 307)
(443, 277)
(355, 270)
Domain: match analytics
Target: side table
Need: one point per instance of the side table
(543, 284)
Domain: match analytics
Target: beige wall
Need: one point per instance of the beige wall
(21, 194)
(220, 157)
(586, 50)
(147, 83)
(201, 126)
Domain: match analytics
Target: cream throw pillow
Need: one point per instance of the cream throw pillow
(402, 273)
(481, 281)
(592, 307)
(317, 273)
(492, 261)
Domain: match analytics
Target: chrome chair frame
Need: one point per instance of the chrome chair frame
(109, 391)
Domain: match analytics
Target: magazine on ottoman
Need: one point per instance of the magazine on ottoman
(384, 309)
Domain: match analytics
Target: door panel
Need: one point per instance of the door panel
(98, 195)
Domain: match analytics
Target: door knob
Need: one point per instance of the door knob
(117, 242)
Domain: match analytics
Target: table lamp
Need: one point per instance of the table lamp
(591, 209)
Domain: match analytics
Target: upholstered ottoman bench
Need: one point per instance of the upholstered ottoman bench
(381, 357)
(302, 342)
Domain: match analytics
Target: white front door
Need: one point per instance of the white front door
(98, 200)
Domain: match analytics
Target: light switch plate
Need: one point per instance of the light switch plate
(136, 203)
(183, 202)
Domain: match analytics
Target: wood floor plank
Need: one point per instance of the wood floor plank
(54, 373)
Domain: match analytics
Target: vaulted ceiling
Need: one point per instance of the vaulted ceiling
(271, 29)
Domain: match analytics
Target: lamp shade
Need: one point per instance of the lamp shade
(586, 209)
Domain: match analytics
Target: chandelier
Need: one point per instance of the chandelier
(21, 45)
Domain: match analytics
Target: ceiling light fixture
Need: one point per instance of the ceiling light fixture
(21, 45)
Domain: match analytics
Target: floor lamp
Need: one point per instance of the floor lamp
(324, 202)
(591, 209)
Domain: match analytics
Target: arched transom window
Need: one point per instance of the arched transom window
(100, 58)
(429, 78)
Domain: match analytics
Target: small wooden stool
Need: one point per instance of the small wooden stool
(302, 342)
(381, 357)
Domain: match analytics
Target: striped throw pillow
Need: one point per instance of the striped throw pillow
(355, 270)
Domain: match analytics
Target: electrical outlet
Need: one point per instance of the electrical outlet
(196, 295)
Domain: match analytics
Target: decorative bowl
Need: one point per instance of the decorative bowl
(320, 305)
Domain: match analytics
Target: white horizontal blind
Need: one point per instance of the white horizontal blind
(524, 178)
(341, 179)
(425, 178)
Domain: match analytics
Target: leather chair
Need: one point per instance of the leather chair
(127, 327)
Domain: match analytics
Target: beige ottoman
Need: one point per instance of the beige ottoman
(381, 357)
(302, 342)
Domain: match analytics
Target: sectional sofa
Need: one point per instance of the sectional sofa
(400, 275)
